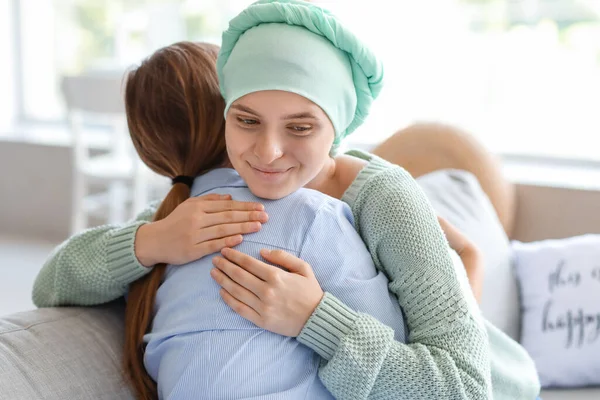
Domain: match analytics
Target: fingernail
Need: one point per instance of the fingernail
(259, 207)
(266, 251)
(225, 196)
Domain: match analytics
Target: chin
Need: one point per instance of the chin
(269, 193)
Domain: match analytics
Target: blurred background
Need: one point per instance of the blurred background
(522, 75)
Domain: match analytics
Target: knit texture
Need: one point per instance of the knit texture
(448, 356)
(93, 267)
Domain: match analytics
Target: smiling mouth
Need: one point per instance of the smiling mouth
(269, 171)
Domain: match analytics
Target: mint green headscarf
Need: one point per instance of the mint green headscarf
(298, 47)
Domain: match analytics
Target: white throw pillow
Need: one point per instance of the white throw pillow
(559, 282)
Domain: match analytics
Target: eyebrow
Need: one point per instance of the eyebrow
(301, 115)
(245, 109)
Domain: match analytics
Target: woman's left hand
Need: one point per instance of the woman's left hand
(469, 253)
(273, 299)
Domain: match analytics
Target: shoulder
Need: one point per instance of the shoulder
(368, 176)
(305, 215)
(347, 169)
(357, 167)
(330, 218)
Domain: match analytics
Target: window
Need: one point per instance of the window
(522, 75)
(71, 36)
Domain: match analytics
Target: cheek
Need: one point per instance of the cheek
(234, 140)
(323, 147)
(314, 155)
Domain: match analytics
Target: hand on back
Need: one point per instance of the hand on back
(197, 227)
(280, 301)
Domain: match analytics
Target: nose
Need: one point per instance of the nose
(268, 147)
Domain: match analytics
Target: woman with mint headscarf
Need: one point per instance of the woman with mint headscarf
(447, 356)
(263, 50)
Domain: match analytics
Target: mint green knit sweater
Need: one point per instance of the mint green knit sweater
(452, 352)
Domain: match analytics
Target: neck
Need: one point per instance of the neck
(327, 181)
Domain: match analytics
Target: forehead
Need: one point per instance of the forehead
(279, 102)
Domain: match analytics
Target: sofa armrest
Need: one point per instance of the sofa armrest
(553, 212)
(63, 353)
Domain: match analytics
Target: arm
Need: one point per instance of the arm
(361, 357)
(365, 341)
(92, 267)
(97, 265)
(437, 324)
(469, 253)
(447, 356)
(513, 371)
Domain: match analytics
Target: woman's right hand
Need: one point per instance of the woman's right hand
(279, 300)
(197, 227)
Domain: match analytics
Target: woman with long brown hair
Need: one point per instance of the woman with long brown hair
(178, 134)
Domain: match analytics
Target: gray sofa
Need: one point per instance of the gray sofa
(74, 353)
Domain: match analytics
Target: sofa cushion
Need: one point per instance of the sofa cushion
(74, 353)
(573, 394)
(63, 353)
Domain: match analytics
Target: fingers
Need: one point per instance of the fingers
(288, 261)
(255, 267)
(221, 231)
(214, 196)
(213, 246)
(229, 217)
(240, 308)
(237, 281)
(445, 224)
(228, 205)
(455, 238)
(222, 202)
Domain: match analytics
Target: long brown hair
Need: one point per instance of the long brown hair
(175, 119)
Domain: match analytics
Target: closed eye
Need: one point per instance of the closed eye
(300, 129)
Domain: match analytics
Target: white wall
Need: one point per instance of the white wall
(35, 184)
(7, 64)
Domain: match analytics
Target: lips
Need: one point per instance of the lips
(269, 170)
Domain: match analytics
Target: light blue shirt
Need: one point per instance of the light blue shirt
(201, 349)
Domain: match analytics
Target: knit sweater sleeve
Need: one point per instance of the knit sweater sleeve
(92, 267)
(448, 353)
